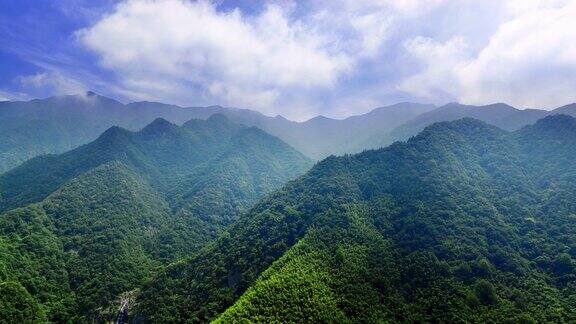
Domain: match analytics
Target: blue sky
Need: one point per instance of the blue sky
(294, 58)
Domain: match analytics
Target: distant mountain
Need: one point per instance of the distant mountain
(464, 222)
(569, 110)
(320, 137)
(82, 229)
(500, 115)
(59, 124)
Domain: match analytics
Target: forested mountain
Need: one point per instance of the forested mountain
(470, 220)
(83, 229)
(58, 124)
(500, 115)
(465, 222)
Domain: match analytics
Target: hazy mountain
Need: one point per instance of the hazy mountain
(463, 223)
(58, 124)
(501, 115)
(91, 224)
(566, 110)
(320, 137)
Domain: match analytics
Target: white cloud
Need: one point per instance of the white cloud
(530, 61)
(189, 52)
(13, 96)
(225, 56)
(438, 80)
(335, 57)
(51, 82)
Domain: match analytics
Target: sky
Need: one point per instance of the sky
(298, 59)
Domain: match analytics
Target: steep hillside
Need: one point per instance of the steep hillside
(87, 227)
(464, 222)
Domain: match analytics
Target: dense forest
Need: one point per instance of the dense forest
(287, 161)
(463, 223)
(84, 229)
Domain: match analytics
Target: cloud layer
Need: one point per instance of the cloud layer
(529, 61)
(178, 49)
(332, 57)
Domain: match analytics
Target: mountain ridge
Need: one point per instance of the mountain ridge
(463, 222)
(51, 125)
(69, 121)
(113, 211)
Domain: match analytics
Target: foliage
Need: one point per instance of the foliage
(462, 223)
(17, 306)
(106, 216)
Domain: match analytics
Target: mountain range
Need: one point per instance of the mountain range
(83, 227)
(465, 222)
(58, 124)
(154, 213)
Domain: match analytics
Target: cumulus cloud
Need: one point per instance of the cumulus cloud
(337, 57)
(530, 61)
(174, 47)
(189, 51)
(437, 81)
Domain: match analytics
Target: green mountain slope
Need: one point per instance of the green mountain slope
(33, 263)
(87, 227)
(464, 222)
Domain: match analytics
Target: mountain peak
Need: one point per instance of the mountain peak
(218, 119)
(556, 122)
(159, 126)
(566, 109)
(459, 123)
(114, 134)
(469, 127)
(320, 120)
(498, 105)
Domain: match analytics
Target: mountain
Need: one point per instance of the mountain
(320, 137)
(464, 222)
(58, 124)
(81, 231)
(500, 115)
(566, 110)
